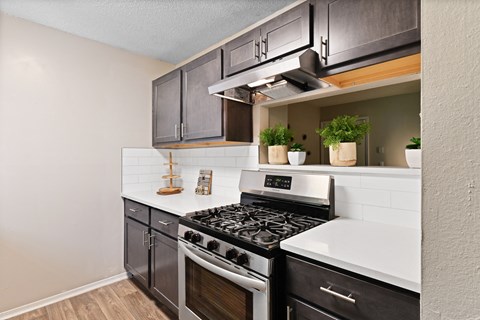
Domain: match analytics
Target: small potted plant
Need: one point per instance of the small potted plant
(276, 139)
(297, 154)
(341, 136)
(413, 153)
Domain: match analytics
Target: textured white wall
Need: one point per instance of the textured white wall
(451, 159)
(67, 107)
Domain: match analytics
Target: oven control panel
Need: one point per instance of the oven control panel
(236, 255)
(278, 182)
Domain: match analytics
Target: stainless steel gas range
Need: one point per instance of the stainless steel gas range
(230, 261)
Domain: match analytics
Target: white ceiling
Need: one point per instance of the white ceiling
(168, 30)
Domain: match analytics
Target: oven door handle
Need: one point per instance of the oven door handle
(234, 277)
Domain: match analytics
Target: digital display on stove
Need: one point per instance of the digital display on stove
(278, 182)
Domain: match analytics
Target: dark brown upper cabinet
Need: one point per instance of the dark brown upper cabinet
(356, 33)
(289, 32)
(202, 113)
(167, 105)
(184, 111)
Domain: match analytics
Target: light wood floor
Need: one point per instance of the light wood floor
(119, 301)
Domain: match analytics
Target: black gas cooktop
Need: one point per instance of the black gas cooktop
(262, 226)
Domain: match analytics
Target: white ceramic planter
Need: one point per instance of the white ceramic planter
(414, 157)
(296, 158)
(277, 154)
(345, 155)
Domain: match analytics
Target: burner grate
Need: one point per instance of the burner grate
(263, 226)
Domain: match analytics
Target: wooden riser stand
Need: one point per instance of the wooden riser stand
(171, 189)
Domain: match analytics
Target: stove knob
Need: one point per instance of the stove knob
(196, 238)
(242, 259)
(188, 235)
(231, 254)
(212, 245)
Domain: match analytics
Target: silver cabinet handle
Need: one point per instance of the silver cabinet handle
(338, 295)
(133, 210)
(176, 130)
(289, 312)
(182, 130)
(165, 223)
(145, 238)
(152, 241)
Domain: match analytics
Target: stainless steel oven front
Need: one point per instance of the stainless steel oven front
(214, 288)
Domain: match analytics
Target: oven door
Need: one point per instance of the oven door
(213, 288)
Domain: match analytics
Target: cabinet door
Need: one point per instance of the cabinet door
(354, 29)
(297, 310)
(242, 52)
(286, 33)
(166, 115)
(136, 250)
(202, 112)
(165, 270)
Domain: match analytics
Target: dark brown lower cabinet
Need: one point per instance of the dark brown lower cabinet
(297, 310)
(151, 255)
(136, 250)
(165, 270)
(315, 291)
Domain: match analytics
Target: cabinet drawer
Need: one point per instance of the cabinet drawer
(369, 301)
(165, 222)
(302, 311)
(136, 211)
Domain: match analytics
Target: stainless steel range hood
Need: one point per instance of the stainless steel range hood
(284, 77)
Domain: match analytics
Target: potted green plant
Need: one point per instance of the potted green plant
(297, 154)
(341, 136)
(413, 153)
(276, 139)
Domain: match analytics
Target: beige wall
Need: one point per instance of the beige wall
(67, 107)
(451, 153)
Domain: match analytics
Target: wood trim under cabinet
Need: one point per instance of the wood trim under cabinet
(390, 69)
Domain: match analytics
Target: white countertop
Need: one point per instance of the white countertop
(387, 253)
(181, 203)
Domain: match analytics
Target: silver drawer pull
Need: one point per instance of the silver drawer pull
(338, 295)
(134, 210)
(165, 223)
(152, 242)
(145, 238)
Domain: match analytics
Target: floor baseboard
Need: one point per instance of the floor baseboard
(62, 296)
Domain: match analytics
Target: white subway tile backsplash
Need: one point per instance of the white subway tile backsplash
(198, 152)
(127, 170)
(379, 198)
(402, 218)
(348, 210)
(409, 184)
(243, 151)
(385, 199)
(130, 179)
(129, 161)
(158, 169)
(347, 180)
(150, 161)
(247, 162)
(406, 200)
(224, 162)
(135, 187)
(215, 152)
(149, 178)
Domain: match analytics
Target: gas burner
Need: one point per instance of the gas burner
(263, 226)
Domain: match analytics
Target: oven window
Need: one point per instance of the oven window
(212, 297)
